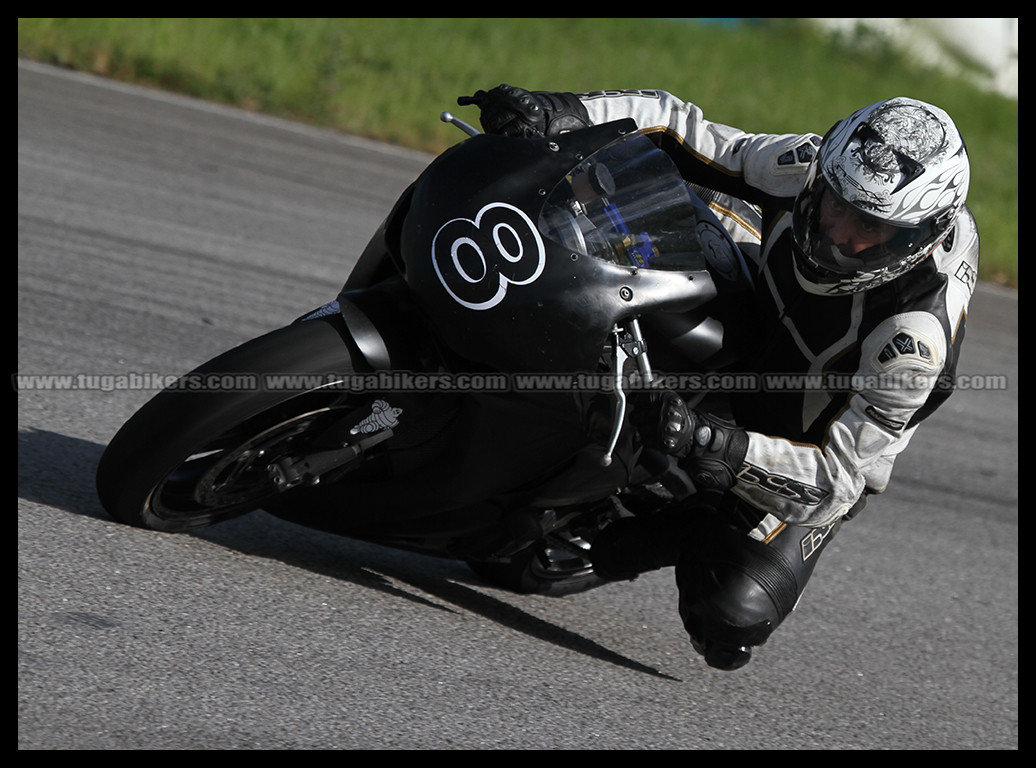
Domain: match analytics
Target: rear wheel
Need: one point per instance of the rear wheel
(192, 457)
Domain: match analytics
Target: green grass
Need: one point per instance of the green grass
(388, 79)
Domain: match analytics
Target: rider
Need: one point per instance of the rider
(866, 259)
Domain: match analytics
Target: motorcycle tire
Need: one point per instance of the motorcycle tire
(190, 458)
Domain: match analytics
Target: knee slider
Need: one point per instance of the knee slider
(735, 590)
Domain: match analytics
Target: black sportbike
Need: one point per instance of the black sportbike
(465, 395)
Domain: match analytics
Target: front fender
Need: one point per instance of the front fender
(387, 327)
(384, 325)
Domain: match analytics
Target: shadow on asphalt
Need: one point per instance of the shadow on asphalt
(57, 471)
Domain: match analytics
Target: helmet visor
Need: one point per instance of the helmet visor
(839, 241)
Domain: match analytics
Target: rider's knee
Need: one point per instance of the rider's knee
(735, 590)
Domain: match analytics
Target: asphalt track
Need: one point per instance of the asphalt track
(156, 231)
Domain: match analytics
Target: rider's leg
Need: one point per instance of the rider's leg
(736, 584)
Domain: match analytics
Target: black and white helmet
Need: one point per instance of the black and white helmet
(900, 164)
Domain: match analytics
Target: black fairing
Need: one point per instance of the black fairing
(500, 294)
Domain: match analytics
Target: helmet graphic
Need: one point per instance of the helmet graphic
(898, 169)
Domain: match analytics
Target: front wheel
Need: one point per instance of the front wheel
(189, 458)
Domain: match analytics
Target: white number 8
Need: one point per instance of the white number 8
(476, 260)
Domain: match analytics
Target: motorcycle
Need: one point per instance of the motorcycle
(465, 394)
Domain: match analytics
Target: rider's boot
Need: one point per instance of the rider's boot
(630, 546)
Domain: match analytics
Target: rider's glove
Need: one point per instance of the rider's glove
(511, 111)
(709, 449)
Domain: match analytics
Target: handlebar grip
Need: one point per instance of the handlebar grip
(476, 99)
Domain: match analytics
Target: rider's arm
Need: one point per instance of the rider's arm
(814, 485)
(753, 167)
(750, 166)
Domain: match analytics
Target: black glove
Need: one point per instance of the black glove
(709, 449)
(510, 111)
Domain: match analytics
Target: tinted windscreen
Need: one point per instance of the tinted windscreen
(628, 205)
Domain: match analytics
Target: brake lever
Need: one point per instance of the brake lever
(448, 117)
(628, 343)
